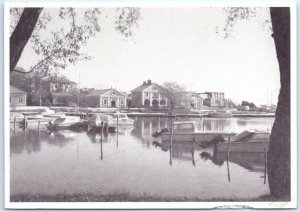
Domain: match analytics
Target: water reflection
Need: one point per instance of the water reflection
(133, 162)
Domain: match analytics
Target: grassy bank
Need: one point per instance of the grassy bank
(123, 197)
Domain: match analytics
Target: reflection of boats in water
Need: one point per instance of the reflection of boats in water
(183, 151)
(255, 161)
(125, 129)
(247, 141)
(122, 119)
(101, 122)
(187, 131)
(220, 114)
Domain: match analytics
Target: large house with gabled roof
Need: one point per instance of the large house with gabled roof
(106, 98)
(148, 94)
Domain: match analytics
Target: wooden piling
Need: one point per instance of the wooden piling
(14, 124)
(39, 122)
(266, 162)
(228, 150)
(117, 131)
(171, 141)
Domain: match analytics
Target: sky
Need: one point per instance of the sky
(184, 45)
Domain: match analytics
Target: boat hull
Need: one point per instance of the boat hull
(109, 129)
(197, 137)
(253, 146)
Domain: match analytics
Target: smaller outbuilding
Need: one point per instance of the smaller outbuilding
(17, 97)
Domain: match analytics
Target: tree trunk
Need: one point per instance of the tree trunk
(279, 149)
(22, 33)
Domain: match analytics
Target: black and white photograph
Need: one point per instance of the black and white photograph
(140, 106)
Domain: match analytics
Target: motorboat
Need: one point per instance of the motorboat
(220, 114)
(122, 119)
(247, 141)
(67, 122)
(101, 122)
(187, 131)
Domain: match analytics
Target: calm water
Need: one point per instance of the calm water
(75, 162)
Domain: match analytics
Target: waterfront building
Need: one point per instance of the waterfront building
(213, 99)
(148, 94)
(189, 100)
(106, 98)
(17, 97)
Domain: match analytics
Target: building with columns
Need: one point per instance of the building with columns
(213, 99)
(148, 94)
(106, 98)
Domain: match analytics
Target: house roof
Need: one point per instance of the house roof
(144, 86)
(16, 90)
(100, 92)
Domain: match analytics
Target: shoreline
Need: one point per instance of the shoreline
(126, 197)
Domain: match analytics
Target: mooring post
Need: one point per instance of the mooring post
(266, 162)
(25, 122)
(102, 125)
(117, 131)
(39, 122)
(171, 141)
(228, 149)
(14, 124)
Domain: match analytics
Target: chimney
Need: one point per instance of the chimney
(149, 82)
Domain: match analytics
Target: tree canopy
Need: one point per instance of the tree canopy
(56, 48)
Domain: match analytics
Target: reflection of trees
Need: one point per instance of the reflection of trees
(26, 141)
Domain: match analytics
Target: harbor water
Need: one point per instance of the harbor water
(71, 162)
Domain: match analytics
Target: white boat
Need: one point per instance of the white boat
(187, 132)
(100, 121)
(66, 122)
(122, 119)
(220, 114)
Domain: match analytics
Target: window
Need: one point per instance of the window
(9, 99)
(105, 101)
(121, 101)
(146, 93)
(20, 99)
(155, 94)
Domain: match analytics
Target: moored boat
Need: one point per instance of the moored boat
(67, 122)
(187, 132)
(220, 114)
(122, 119)
(101, 122)
(247, 141)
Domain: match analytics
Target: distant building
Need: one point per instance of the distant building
(148, 95)
(268, 108)
(190, 100)
(106, 98)
(213, 99)
(17, 97)
(65, 86)
(58, 91)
